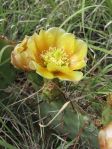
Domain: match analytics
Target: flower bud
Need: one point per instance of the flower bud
(20, 57)
(105, 137)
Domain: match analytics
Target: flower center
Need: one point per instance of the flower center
(56, 56)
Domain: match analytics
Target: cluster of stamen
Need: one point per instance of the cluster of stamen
(55, 55)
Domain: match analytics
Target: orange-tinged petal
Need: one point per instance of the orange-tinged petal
(44, 40)
(33, 50)
(20, 60)
(23, 45)
(44, 72)
(105, 137)
(20, 57)
(102, 141)
(67, 42)
(41, 41)
(47, 39)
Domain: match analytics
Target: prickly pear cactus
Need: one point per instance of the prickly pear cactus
(58, 113)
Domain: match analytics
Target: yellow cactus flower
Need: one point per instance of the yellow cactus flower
(57, 54)
(21, 56)
(105, 137)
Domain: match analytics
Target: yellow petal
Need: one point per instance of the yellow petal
(47, 39)
(55, 33)
(76, 65)
(67, 42)
(33, 65)
(32, 48)
(73, 76)
(80, 51)
(23, 45)
(52, 67)
(41, 41)
(64, 72)
(44, 72)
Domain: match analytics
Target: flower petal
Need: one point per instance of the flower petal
(55, 33)
(47, 39)
(102, 141)
(33, 65)
(44, 72)
(20, 57)
(42, 41)
(67, 42)
(23, 45)
(80, 51)
(33, 49)
(105, 137)
(64, 72)
(20, 60)
(76, 65)
(73, 76)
